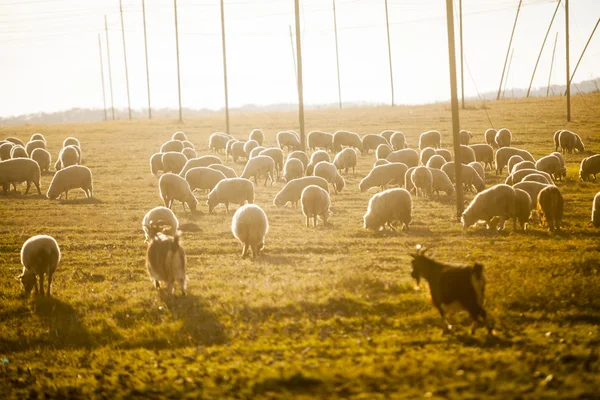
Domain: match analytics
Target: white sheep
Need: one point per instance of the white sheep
(40, 256)
(503, 154)
(522, 165)
(156, 163)
(73, 177)
(346, 138)
(550, 207)
(315, 203)
(430, 139)
(320, 140)
(532, 189)
(523, 207)
(503, 138)
(408, 185)
(293, 169)
(381, 161)
(188, 145)
(478, 168)
(465, 137)
(237, 150)
(346, 159)
(371, 141)
(5, 149)
(228, 146)
(497, 201)
(426, 154)
(36, 144)
(518, 176)
(174, 187)
(172, 145)
(490, 137)
(250, 226)
(563, 169)
(173, 162)
(422, 180)
(277, 155)
(165, 262)
(410, 157)
(467, 155)
(179, 136)
(589, 166)
(288, 139)
(596, 211)
(329, 172)
(444, 153)
(256, 151)
(552, 165)
(512, 161)
(383, 175)
(159, 219)
(257, 135)
(248, 146)
(228, 172)
(388, 208)
(232, 190)
(441, 182)
(469, 176)
(317, 156)
(18, 152)
(300, 155)
(203, 161)
(43, 158)
(15, 141)
(387, 134)
(383, 150)
(189, 153)
(484, 153)
(536, 178)
(292, 191)
(570, 141)
(217, 141)
(17, 170)
(67, 157)
(436, 162)
(398, 141)
(259, 166)
(71, 141)
(203, 178)
(37, 136)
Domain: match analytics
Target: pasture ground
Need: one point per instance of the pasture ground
(330, 312)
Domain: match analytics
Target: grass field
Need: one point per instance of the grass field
(330, 312)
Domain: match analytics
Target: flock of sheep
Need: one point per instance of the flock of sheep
(426, 171)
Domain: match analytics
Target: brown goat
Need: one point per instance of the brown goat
(451, 286)
(550, 208)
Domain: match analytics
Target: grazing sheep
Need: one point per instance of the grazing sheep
(237, 151)
(436, 161)
(18, 152)
(317, 156)
(165, 261)
(174, 162)
(557, 140)
(570, 141)
(256, 151)
(259, 166)
(465, 137)
(408, 185)
(387, 134)
(203, 178)
(277, 155)
(512, 161)
(172, 145)
(383, 175)
(17, 170)
(371, 141)
(179, 136)
(563, 170)
(228, 172)
(536, 178)
(292, 191)
(503, 138)
(522, 165)
(232, 190)
(40, 256)
(218, 141)
(523, 208)
(490, 137)
(329, 172)
(250, 226)
(550, 205)
(320, 140)
(67, 157)
(467, 155)
(383, 150)
(293, 169)
(441, 182)
(5, 149)
(188, 145)
(156, 163)
(398, 141)
(288, 139)
(410, 157)
(381, 161)
(453, 285)
(73, 177)
(71, 141)
(37, 136)
(174, 187)
(203, 161)
(596, 211)
(469, 176)
(189, 153)
(43, 158)
(248, 146)
(388, 208)
(497, 201)
(315, 203)
(15, 141)
(484, 153)
(228, 145)
(426, 154)
(345, 138)
(159, 219)
(346, 159)
(503, 154)
(478, 168)
(518, 176)
(589, 166)
(532, 189)
(422, 180)
(430, 139)
(36, 144)
(257, 135)
(300, 155)
(444, 153)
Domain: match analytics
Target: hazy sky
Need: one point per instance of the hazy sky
(49, 58)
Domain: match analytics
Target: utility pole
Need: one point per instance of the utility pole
(177, 48)
(112, 103)
(508, 71)
(225, 67)
(147, 68)
(542, 49)
(294, 56)
(551, 64)
(125, 57)
(387, 24)
(454, 103)
(584, 49)
(462, 57)
(567, 57)
(300, 90)
(102, 76)
(509, 47)
(337, 57)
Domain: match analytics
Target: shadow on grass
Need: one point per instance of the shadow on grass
(84, 200)
(32, 195)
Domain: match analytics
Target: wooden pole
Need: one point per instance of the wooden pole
(294, 56)
(125, 57)
(300, 89)
(112, 102)
(225, 67)
(147, 68)
(542, 49)
(584, 49)
(551, 64)
(337, 57)
(462, 57)
(177, 51)
(454, 104)
(567, 59)
(102, 77)
(508, 71)
(387, 24)
(509, 47)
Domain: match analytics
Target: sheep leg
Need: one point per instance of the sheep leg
(315, 220)
(156, 284)
(307, 221)
(66, 195)
(42, 284)
(245, 250)
(182, 285)
(49, 284)
(501, 223)
(255, 251)
(170, 285)
(37, 186)
(447, 326)
(28, 186)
